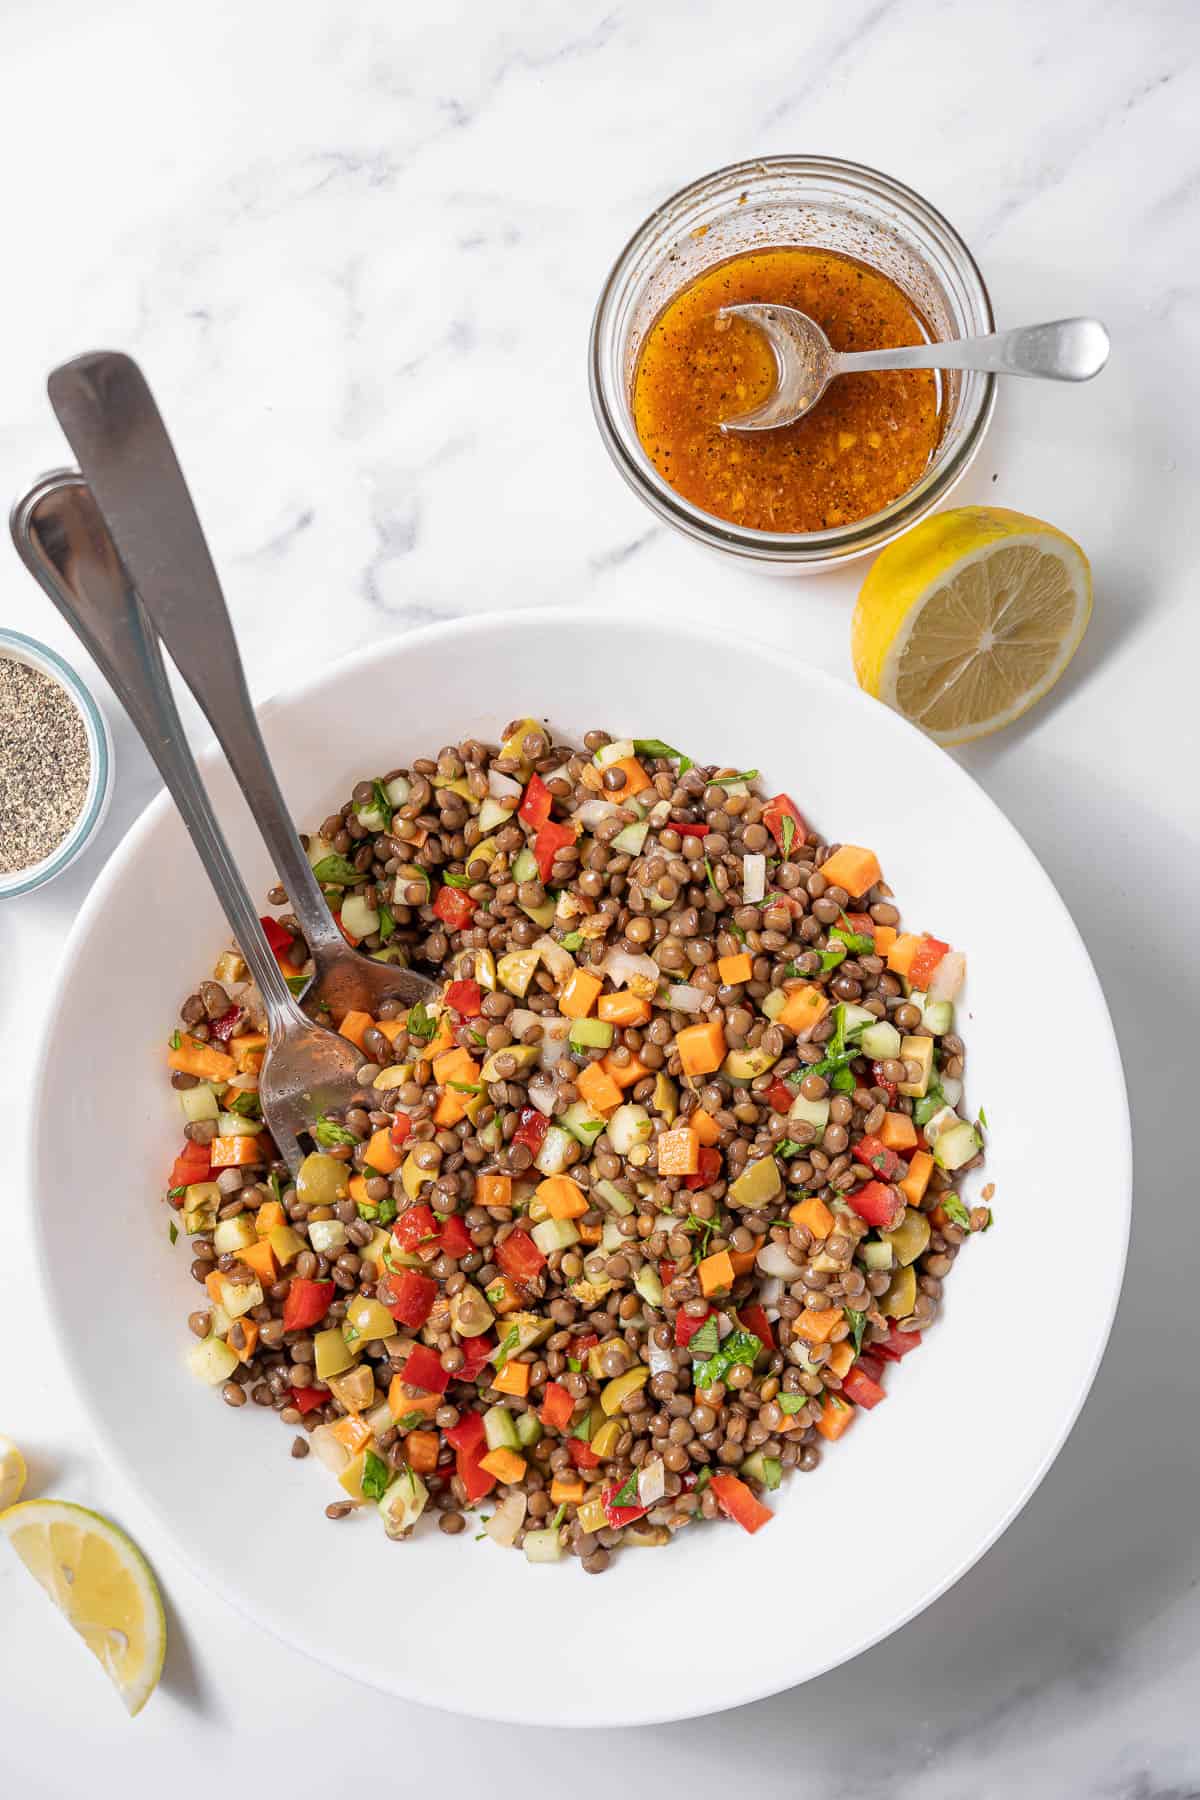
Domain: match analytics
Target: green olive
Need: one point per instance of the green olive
(901, 1296)
(910, 1239)
(322, 1180)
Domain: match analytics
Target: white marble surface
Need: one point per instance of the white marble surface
(357, 250)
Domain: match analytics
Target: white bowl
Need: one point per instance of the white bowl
(914, 1493)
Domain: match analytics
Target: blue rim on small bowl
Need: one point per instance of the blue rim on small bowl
(27, 650)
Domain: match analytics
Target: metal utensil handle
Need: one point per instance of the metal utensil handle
(102, 609)
(109, 415)
(1062, 350)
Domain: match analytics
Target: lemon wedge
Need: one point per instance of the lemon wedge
(12, 1473)
(101, 1583)
(969, 619)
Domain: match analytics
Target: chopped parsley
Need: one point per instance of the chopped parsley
(382, 802)
(739, 1347)
(704, 1342)
(627, 1493)
(737, 931)
(573, 1362)
(387, 1209)
(572, 940)
(387, 922)
(858, 1325)
(328, 1134)
(297, 983)
(843, 1082)
(466, 1087)
(453, 879)
(175, 1041)
(787, 834)
(787, 1147)
(247, 1104)
(476, 1037)
(955, 1211)
(559, 1516)
(656, 747)
(421, 1024)
(176, 1193)
(712, 880)
(173, 1232)
(705, 1227)
(374, 1476)
(831, 958)
(583, 1431)
(410, 1421)
(702, 1480)
(336, 871)
(856, 942)
(507, 1347)
(485, 1519)
(791, 1403)
(276, 1185)
(983, 1118)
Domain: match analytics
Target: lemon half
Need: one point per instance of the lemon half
(101, 1583)
(12, 1473)
(969, 619)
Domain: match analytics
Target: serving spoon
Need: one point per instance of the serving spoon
(112, 423)
(806, 362)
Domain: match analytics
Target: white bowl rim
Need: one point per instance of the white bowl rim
(583, 620)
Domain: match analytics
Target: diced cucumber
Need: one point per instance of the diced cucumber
(492, 814)
(590, 1034)
(371, 818)
(628, 1126)
(237, 1125)
(199, 1103)
(499, 1429)
(952, 1089)
(927, 1105)
(530, 1328)
(554, 1234)
(938, 1016)
(582, 1123)
(397, 790)
(551, 1159)
(359, 919)
(318, 849)
(956, 1146)
(881, 1041)
(617, 751)
(524, 865)
(529, 1430)
(235, 1234)
(629, 842)
(765, 1469)
(811, 1112)
(877, 1257)
(649, 1285)
(543, 1546)
(238, 1300)
(200, 1205)
(327, 1234)
(211, 1361)
(611, 1238)
(772, 1004)
(942, 1120)
(610, 1193)
(219, 1321)
(857, 1018)
(403, 1503)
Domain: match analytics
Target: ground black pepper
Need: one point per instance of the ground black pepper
(45, 765)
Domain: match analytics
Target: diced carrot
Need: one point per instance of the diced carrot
(381, 1153)
(841, 1358)
(897, 1132)
(717, 1273)
(402, 1401)
(589, 1234)
(455, 1065)
(913, 1186)
(814, 1214)
(513, 1378)
(268, 1216)
(678, 1152)
(505, 1465)
(390, 1028)
(885, 937)
(355, 1026)
(636, 778)
(598, 1088)
(212, 1286)
(234, 1152)
(566, 1490)
(579, 995)
(837, 1415)
(249, 1340)
(701, 1047)
(357, 1188)
(248, 1051)
(900, 956)
(704, 1126)
(421, 1451)
(624, 1074)
(195, 1058)
(734, 969)
(443, 1040)
(502, 1296)
(451, 1107)
(353, 1432)
(623, 1008)
(803, 1008)
(852, 868)
(261, 1258)
(743, 1261)
(816, 1326)
(564, 1198)
(493, 1190)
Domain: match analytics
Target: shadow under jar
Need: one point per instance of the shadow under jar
(750, 209)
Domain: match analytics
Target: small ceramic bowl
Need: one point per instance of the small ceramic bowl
(18, 648)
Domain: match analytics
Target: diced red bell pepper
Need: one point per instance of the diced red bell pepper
(476, 1354)
(417, 1231)
(277, 935)
(877, 1203)
(194, 1163)
(581, 1454)
(423, 1368)
(409, 1297)
(348, 935)
(870, 1365)
(776, 811)
(861, 923)
(696, 831)
(519, 1257)
(307, 1399)
(454, 1239)
(536, 802)
(578, 1347)
(780, 1097)
(557, 1408)
(223, 1028)
(754, 1319)
(532, 1127)
(468, 1434)
(875, 1154)
(476, 1480)
(551, 838)
(926, 957)
(666, 1271)
(401, 1130)
(620, 1515)
(879, 1079)
(454, 907)
(896, 1344)
(686, 1326)
(859, 1387)
(466, 998)
(738, 1503)
(307, 1303)
(708, 1168)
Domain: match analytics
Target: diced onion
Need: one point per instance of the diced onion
(754, 878)
(684, 998)
(503, 787)
(776, 1259)
(507, 1519)
(652, 1482)
(952, 1089)
(621, 966)
(553, 1046)
(519, 1020)
(594, 812)
(560, 962)
(328, 1449)
(617, 751)
(660, 1362)
(397, 790)
(541, 1091)
(771, 1291)
(948, 977)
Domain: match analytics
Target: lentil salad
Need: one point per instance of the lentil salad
(637, 1216)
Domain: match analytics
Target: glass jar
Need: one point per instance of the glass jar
(809, 200)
